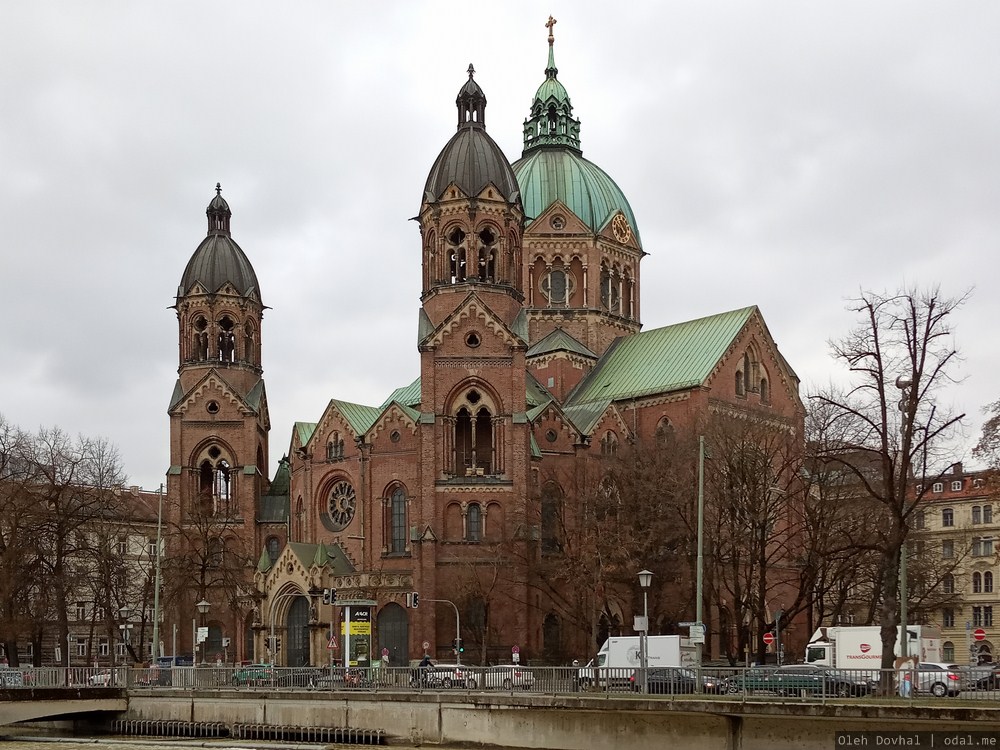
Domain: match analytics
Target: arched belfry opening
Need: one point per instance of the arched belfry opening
(215, 483)
(473, 437)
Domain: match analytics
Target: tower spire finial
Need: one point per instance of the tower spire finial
(218, 188)
(549, 24)
(472, 71)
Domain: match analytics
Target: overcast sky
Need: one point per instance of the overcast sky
(783, 154)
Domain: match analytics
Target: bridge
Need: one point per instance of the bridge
(32, 704)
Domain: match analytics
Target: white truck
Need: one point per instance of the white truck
(618, 658)
(860, 646)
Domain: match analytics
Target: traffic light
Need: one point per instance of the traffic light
(326, 596)
(329, 596)
(414, 599)
(458, 646)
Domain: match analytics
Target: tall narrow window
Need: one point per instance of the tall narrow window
(487, 255)
(227, 339)
(948, 583)
(977, 514)
(273, 548)
(987, 514)
(987, 582)
(474, 523)
(977, 583)
(947, 517)
(457, 256)
(398, 521)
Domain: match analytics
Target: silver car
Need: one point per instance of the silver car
(508, 677)
(939, 679)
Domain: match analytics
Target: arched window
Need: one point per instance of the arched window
(273, 548)
(664, 432)
(335, 447)
(551, 514)
(948, 583)
(397, 522)
(977, 583)
(610, 291)
(487, 270)
(473, 523)
(947, 517)
(739, 383)
(457, 255)
(201, 338)
(215, 484)
(987, 582)
(977, 514)
(746, 374)
(765, 394)
(919, 520)
(216, 553)
(948, 651)
(227, 339)
(609, 444)
(474, 438)
(987, 514)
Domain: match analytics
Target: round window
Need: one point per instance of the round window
(341, 505)
(212, 407)
(557, 222)
(473, 340)
(214, 452)
(394, 436)
(551, 436)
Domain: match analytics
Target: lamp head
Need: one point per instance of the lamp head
(645, 578)
(903, 382)
(203, 606)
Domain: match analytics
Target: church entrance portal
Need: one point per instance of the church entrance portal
(394, 634)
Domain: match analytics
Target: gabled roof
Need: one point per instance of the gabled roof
(662, 360)
(358, 416)
(586, 416)
(304, 431)
(408, 395)
(559, 341)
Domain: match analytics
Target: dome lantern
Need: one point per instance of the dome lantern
(551, 122)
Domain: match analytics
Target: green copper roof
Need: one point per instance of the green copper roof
(304, 431)
(358, 416)
(264, 563)
(408, 395)
(550, 174)
(551, 122)
(662, 360)
(559, 341)
(586, 416)
(552, 166)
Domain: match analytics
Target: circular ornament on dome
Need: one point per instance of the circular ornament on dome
(558, 222)
(620, 228)
(342, 505)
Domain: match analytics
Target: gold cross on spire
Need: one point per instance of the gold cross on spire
(549, 24)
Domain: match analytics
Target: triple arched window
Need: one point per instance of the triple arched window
(216, 484)
(475, 436)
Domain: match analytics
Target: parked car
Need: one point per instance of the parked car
(103, 678)
(454, 675)
(813, 679)
(986, 677)
(254, 674)
(302, 677)
(11, 677)
(757, 679)
(665, 680)
(508, 677)
(939, 679)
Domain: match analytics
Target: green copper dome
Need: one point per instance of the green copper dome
(550, 174)
(552, 166)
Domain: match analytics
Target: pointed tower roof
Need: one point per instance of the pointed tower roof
(471, 160)
(218, 260)
(552, 166)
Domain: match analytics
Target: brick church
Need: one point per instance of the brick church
(533, 366)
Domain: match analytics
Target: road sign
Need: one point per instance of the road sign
(515, 649)
(385, 652)
(426, 645)
(979, 634)
(687, 624)
(768, 638)
(332, 645)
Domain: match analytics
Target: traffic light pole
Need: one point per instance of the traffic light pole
(458, 628)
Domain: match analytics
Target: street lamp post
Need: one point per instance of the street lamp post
(700, 571)
(645, 578)
(203, 607)
(903, 382)
(124, 612)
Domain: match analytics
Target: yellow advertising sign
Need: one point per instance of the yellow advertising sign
(357, 628)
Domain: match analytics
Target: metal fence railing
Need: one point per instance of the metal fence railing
(790, 682)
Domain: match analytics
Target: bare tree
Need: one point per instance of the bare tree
(901, 352)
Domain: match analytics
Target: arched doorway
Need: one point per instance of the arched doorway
(394, 634)
(297, 633)
(552, 638)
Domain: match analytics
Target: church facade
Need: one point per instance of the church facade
(533, 369)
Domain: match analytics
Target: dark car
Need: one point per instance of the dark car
(987, 677)
(810, 679)
(308, 677)
(665, 680)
